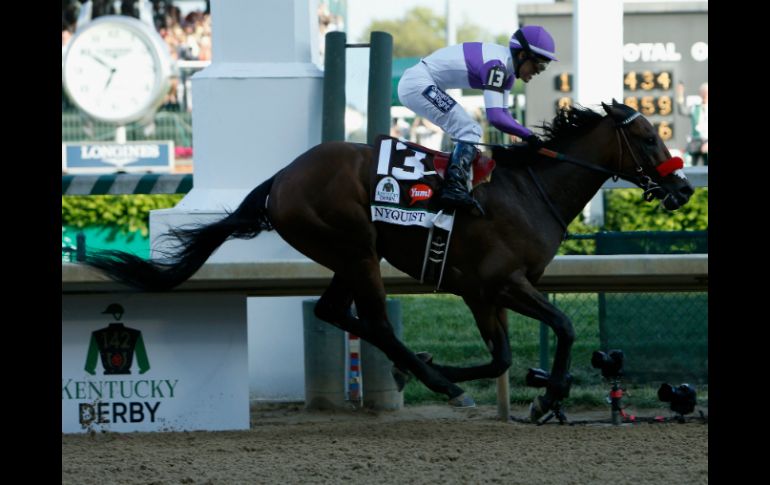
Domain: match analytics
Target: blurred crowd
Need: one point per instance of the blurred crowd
(188, 37)
(327, 22)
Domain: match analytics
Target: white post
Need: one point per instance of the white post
(451, 23)
(451, 39)
(257, 107)
(120, 134)
(598, 53)
(504, 397)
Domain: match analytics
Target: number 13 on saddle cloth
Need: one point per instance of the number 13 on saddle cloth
(406, 181)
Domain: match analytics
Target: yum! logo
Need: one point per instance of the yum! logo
(419, 192)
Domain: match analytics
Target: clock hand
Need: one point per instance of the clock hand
(100, 61)
(109, 79)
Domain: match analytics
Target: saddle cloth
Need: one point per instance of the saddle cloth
(405, 180)
(408, 177)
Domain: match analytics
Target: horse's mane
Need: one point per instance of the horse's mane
(570, 122)
(574, 121)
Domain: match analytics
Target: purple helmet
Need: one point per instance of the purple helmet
(536, 40)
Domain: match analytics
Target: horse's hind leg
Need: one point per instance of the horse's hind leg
(369, 295)
(492, 323)
(373, 326)
(334, 307)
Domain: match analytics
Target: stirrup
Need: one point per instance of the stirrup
(456, 192)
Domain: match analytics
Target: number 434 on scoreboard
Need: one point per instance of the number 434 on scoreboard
(647, 104)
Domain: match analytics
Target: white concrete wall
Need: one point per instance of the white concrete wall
(257, 107)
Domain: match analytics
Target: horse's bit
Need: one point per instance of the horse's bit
(651, 188)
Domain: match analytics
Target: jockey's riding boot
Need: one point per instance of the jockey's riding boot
(458, 171)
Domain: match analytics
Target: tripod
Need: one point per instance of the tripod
(539, 378)
(615, 398)
(557, 412)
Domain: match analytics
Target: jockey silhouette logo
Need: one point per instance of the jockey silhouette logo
(116, 344)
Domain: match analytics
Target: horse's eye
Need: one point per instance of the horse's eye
(651, 140)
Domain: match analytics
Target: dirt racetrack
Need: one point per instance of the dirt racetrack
(418, 445)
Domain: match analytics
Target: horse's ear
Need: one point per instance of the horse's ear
(606, 108)
(614, 103)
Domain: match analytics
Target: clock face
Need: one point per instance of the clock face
(116, 70)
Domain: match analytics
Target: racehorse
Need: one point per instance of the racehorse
(320, 205)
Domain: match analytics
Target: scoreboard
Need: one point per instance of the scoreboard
(649, 92)
(663, 44)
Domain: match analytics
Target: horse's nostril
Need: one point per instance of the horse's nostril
(687, 190)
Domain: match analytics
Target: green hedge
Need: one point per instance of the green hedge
(126, 213)
(625, 211)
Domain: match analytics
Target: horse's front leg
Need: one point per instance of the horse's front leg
(492, 323)
(519, 295)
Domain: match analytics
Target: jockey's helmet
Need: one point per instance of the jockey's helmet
(115, 310)
(535, 41)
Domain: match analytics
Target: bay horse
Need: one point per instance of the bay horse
(320, 205)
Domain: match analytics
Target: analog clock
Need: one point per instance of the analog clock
(117, 69)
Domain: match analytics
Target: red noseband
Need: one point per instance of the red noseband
(670, 165)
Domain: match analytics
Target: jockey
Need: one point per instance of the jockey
(480, 65)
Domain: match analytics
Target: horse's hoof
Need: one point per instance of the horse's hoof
(426, 357)
(400, 377)
(537, 409)
(462, 401)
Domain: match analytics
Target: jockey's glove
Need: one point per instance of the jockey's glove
(534, 142)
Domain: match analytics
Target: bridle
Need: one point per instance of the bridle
(640, 177)
(650, 187)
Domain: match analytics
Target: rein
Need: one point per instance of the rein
(548, 201)
(644, 181)
(640, 178)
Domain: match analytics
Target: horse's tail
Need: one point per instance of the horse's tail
(193, 248)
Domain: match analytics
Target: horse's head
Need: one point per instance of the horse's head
(644, 160)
